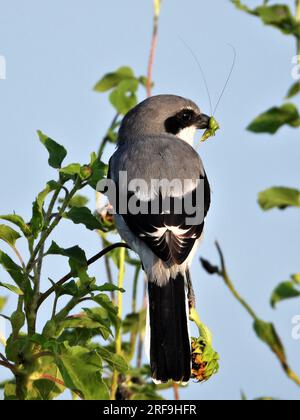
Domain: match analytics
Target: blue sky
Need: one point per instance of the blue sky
(55, 52)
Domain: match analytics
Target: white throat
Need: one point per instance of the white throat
(187, 134)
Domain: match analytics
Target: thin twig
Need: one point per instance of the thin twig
(118, 340)
(8, 365)
(280, 355)
(176, 391)
(50, 228)
(71, 274)
(154, 40)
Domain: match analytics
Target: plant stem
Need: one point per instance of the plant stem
(121, 274)
(106, 138)
(38, 267)
(223, 273)
(176, 391)
(157, 5)
(134, 290)
(298, 37)
(68, 276)
(204, 331)
(231, 287)
(53, 225)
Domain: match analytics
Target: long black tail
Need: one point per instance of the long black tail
(170, 353)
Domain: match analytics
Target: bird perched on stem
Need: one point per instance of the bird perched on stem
(161, 179)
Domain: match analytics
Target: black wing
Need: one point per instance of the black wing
(168, 235)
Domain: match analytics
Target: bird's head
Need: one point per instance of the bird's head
(164, 114)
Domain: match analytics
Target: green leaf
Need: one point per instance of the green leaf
(280, 17)
(280, 197)
(77, 257)
(47, 381)
(81, 371)
(12, 288)
(10, 392)
(103, 318)
(239, 5)
(273, 119)
(99, 171)
(18, 221)
(37, 221)
(13, 269)
(293, 91)
(267, 333)
(123, 97)
(104, 301)
(277, 15)
(71, 170)
(134, 322)
(83, 215)
(296, 278)
(108, 287)
(3, 301)
(111, 80)
(78, 201)
(284, 291)
(9, 235)
(115, 361)
(57, 153)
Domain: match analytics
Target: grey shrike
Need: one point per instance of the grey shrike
(155, 145)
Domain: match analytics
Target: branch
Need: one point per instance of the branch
(55, 222)
(115, 377)
(71, 274)
(5, 363)
(222, 272)
(157, 5)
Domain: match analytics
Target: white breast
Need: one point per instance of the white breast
(187, 134)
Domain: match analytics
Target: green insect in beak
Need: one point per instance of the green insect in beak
(212, 128)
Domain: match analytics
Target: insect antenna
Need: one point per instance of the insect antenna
(228, 78)
(201, 70)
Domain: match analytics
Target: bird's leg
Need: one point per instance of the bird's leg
(191, 293)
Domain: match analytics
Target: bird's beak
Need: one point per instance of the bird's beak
(203, 122)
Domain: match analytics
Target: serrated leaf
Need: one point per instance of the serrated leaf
(81, 371)
(111, 80)
(18, 221)
(57, 153)
(83, 215)
(12, 288)
(9, 235)
(275, 118)
(267, 333)
(293, 91)
(284, 291)
(280, 197)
